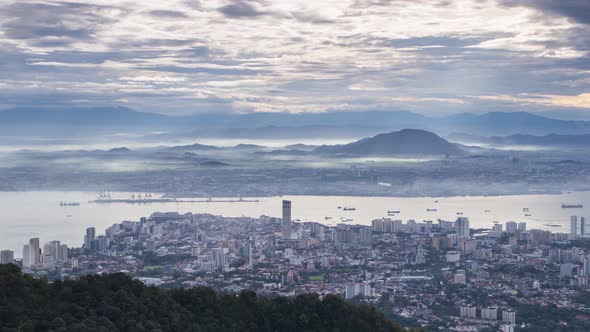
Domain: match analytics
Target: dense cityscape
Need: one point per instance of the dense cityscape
(430, 274)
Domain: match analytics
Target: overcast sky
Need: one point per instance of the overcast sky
(185, 56)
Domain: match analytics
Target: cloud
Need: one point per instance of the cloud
(53, 24)
(294, 56)
(577, 101)
(167, 13)
(241, 9)
(577, 10)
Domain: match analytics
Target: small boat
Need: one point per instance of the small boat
(527, 215)
(327, 218)
(487, 211)
(349, 209)
(392, 212)
(525, 209)
(69, 216)
(436, 201)
(431, 210)
(459, 213)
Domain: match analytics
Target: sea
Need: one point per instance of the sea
(25, 215)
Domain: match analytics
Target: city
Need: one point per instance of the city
(422, 274)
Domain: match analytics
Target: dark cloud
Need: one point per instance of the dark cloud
(241, 9)
(60, 23)
(577, 10)
(168, 14)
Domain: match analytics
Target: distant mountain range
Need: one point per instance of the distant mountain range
(403, 142)
(80, 121)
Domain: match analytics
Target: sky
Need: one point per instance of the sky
(189, 56)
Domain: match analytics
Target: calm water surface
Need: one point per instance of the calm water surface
(37, 214)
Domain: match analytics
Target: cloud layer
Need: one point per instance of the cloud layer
(185, 56)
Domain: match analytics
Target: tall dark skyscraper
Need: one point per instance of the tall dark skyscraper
(35, 247)
(286, 219)
(89, 237)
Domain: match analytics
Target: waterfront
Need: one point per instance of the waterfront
(38, 214)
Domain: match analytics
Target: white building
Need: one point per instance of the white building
(6, 256)
(460, 278)
(28, 259)
(462, 226)
(490, 313)
(511, 227)
(357, 289)
(507, 328)
(509, 316)
(453, 256)
(468, 311)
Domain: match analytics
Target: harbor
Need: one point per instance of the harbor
(105, 198)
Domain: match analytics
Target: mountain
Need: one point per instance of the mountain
(214, 163)
(350, 124)
(510, 123)
(120, 150)
(192, 147)
(249, 147)
(403, 142)
(116, 302)
(81, 116)
(299, 146)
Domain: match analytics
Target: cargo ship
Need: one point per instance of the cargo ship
(572, 206)
(69, 204)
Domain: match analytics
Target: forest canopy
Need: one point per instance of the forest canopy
(116, 302)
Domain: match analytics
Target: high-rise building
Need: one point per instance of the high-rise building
(28, 256)
(36, 250)
(522, 226)
(50, 252)
(352, 290)
(365, 235)
(286, 219)
(62, 255)
(468, 311)
(511, 227)
(378, 226)
(490, 313)
(219, 258)
(573, 227)
(462, 226)
(583, 228)
(497, 228)
(565, 270)
(586, 266)
(509, 316)
(89, 237)
(158, 231)
(317, 231)
(102, 243)
(6, 256)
